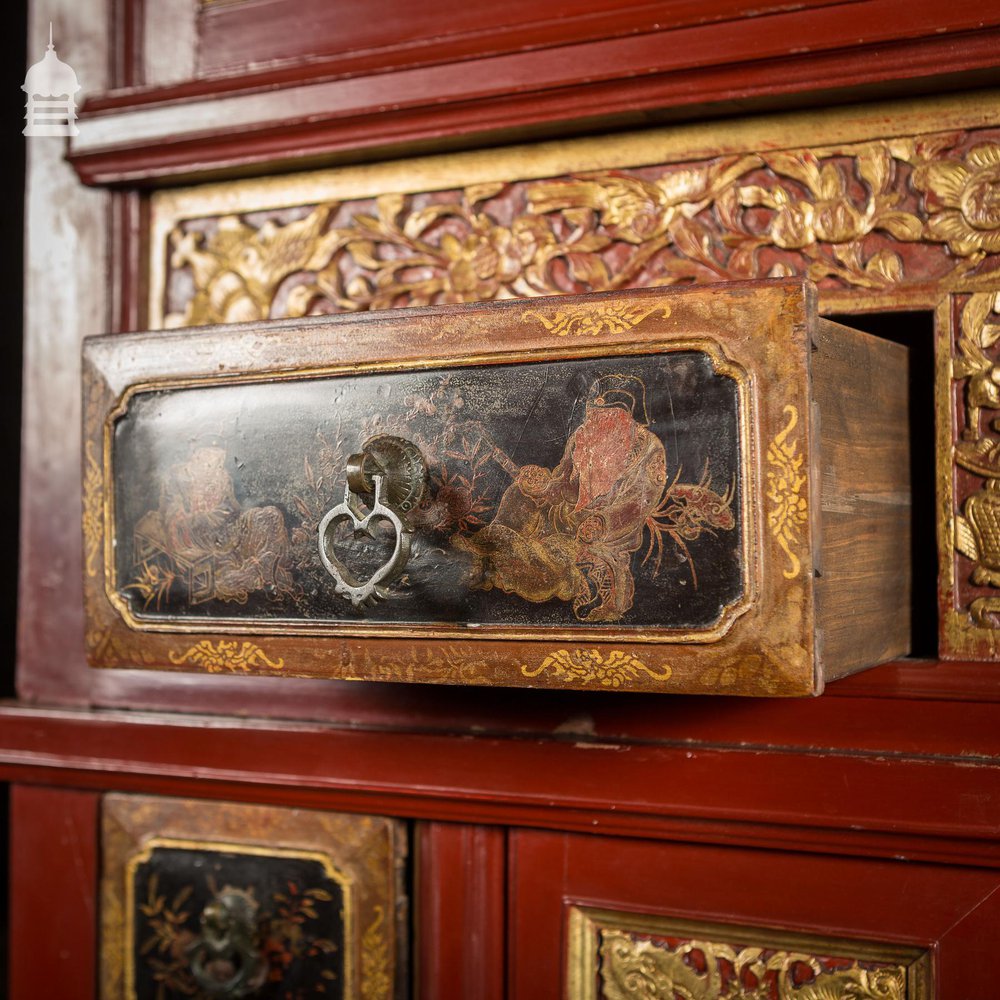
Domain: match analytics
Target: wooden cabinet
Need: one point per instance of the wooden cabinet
(860, 828)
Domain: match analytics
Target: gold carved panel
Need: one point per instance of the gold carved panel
(622, 956)
(885, 207)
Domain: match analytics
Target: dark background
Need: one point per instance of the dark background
(270, 881)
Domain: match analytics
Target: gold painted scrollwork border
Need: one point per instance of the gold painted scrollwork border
(588, 926)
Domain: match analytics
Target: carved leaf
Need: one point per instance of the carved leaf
(875, 167)
(974, 316)
(989, 335)
(754, 194)
(965, 539)
(832, 183)
(692, 239)
(416, 223)
(683, 185)
(363, 252)
(476, 193)
(389, 206)
(589, 242)
(800, 166)
(727, 208)
(724, 172)
(589, 269)
(963, 367)
(887, 265)
(902, 225)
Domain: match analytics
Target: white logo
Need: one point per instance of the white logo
(50, 85)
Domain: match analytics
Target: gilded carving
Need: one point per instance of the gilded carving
(840, 215)
(237, 271)
(93, 509)
(376, 961)
(786, 484)
(591, 666)
(963, 200)
(226, 654)
(636, 968)
(977, 522)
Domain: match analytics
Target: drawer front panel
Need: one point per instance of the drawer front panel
(298, 914)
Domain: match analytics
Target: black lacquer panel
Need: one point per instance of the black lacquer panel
(581, 492)
(299, 922)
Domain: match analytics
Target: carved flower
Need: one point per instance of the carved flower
(963, 200)
(831, 218)
(489, 257)
(633, 210)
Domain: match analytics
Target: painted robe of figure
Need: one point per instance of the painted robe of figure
(201, 518)
(569, 533)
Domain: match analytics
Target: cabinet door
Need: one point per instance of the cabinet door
(597, 918)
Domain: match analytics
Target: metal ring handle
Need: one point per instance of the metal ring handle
(228, 942)
(394, 470)
(364, 593)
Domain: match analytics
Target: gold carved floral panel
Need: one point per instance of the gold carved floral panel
(884, 207)
(622, 956)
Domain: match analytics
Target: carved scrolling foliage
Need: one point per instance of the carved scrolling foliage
(977, 451)
(636, 968)
(872, 217)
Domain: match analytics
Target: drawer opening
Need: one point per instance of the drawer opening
(915, 330)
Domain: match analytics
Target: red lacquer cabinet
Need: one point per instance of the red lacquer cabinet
(216, 833)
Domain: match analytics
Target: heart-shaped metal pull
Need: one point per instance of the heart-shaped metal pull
(394, 470)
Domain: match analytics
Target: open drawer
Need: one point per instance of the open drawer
(700, 490)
